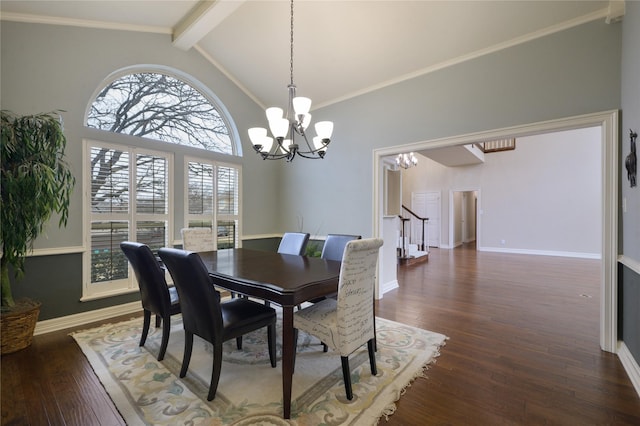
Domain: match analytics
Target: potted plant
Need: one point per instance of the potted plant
(36, 182)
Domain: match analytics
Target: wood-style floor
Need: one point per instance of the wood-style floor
(523, 350)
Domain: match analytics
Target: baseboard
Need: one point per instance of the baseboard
(388, 286)
(75, 320)
(630, 365)
(542, 252)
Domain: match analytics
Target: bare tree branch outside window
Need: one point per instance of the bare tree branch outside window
(159, 106)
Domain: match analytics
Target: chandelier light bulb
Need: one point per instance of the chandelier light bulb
(274, 113)
(279, 127)
(301, 105)
(324, 129)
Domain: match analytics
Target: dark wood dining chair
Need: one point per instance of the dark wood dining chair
(346, 323)
(205, 316)
(293, 243)
(156, 297)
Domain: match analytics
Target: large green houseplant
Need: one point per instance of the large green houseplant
(36, 182)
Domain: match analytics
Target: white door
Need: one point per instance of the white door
(426, 204)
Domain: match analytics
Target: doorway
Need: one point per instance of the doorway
(608, 123)
(463, 218)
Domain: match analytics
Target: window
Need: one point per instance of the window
(128, 201)
(159, 106)
(213, 198)
(130, 193)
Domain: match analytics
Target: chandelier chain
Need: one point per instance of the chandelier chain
(291, 57)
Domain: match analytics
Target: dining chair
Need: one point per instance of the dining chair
(204, 315)
(293, 243)
(346, 323)
(197, 239)
(333, 249)
(156, 296)
(334, 245)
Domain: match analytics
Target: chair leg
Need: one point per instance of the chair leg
(215, 373)
(325, 348)
(271, 337)
(158, 318)
(239, 343)
(346, 374)
(166, 329)
(145, 327)
(375, 338)
(186, 359)
(371, 346)
(295, 348)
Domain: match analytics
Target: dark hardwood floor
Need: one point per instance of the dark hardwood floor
(523, 350)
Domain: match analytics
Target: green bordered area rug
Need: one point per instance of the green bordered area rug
(149, 392)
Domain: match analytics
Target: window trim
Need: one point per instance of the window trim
(128, 285)
(216, 217)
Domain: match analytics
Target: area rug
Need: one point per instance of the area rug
(149, 392)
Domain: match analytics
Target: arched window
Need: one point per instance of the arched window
(136, 187)
(159, 106)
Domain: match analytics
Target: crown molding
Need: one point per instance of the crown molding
(71, 22)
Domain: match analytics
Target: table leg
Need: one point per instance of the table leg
(287, 358)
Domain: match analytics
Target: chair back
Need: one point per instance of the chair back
(335, 244)
(201, 314)
(154, 292)
(355, 315)
(293, 243)
(197, 239)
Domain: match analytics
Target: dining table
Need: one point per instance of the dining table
(284, 279)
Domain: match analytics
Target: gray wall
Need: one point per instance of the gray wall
(629, 279)
(562, 75)
(543, 197)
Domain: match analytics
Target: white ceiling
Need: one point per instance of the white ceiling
(341, 48)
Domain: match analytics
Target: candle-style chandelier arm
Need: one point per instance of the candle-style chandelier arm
(285, 126)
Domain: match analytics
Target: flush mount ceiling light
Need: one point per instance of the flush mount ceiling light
(286, 126)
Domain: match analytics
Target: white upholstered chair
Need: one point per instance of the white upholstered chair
(197, 239)
(346, 323)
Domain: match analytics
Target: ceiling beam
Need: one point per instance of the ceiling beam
(201, 20)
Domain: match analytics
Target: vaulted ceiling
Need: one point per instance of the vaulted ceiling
(341, 48)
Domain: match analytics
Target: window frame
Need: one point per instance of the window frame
(139, 144)
(96, 290)
(234, 136)
(216, 216)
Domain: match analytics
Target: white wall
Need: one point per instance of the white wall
(543, 197)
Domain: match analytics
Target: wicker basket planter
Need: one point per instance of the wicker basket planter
(17, 325)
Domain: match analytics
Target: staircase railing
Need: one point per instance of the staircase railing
(404, 232)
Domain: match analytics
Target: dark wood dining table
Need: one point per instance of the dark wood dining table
(284, 279)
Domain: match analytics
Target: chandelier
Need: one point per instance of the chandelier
(406, 160)
(286, 126)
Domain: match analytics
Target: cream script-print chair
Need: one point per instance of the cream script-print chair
(346, 323)
(197, 239)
